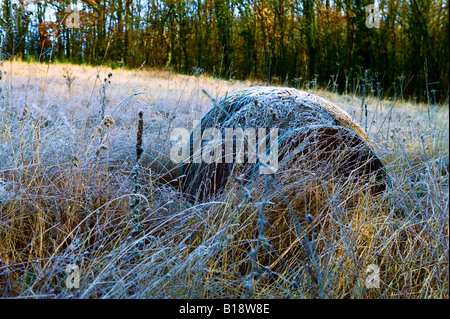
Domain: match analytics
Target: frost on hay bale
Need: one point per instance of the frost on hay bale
(315, 139)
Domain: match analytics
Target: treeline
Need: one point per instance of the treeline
(296, 42)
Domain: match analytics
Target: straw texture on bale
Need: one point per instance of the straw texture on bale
(315, 138)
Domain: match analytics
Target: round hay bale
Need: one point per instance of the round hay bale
(315, 138)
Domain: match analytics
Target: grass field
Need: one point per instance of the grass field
(68, 178)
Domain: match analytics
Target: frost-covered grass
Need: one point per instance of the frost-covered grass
(68, 181)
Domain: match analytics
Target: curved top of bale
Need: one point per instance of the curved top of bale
(285, 108)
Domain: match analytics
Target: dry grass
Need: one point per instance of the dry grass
(71, 192)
